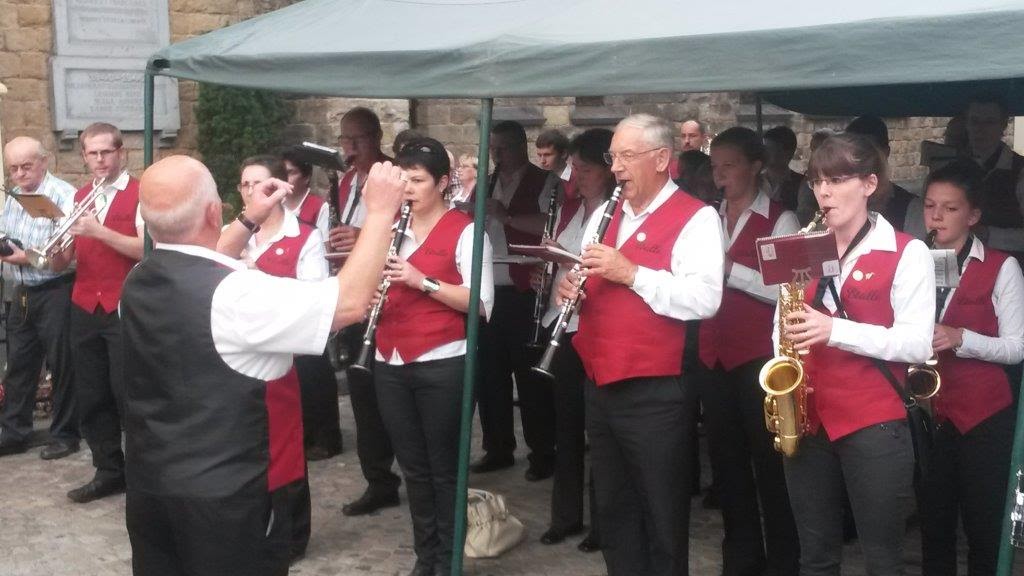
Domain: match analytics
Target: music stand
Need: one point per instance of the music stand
(37, 205)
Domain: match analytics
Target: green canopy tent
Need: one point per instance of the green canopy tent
(489, 48)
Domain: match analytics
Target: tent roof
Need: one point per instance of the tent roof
(488, 48)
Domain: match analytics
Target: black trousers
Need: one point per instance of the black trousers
(966, 478)
(321, 421)
(99, 372)
(37, 328)
(877, 463)
(300, 509)
(420, 403)
(504, 354)
(239, 534)
(570, 440)
(750, 475)
(372, 443)
(638, 438)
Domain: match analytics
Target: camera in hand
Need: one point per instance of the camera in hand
(6, 243)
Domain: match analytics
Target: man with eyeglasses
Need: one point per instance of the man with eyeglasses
(108, 243)
(515, 215)
(360, 141)
(659, 265)
(37, 323)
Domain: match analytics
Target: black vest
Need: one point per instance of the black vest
(195, 427)
(999, 196)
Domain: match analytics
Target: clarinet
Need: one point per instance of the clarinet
(546, 275)
(362, 362)
(569, 307)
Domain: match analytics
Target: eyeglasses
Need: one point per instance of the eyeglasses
(97, 154)
(626, 157)
(832, 180)
(244, 187)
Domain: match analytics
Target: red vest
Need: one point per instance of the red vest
(101, 269)
(284, 427)
(310, 209)
(742, 329)
(282, 257)
(850, 392)
(620, 336)
(345, 188)
(524, 201)
(972, 389)
(412, 322)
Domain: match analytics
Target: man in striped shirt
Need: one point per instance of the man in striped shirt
(38, 318)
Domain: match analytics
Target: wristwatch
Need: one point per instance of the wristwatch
(430, 285)
(249, 224)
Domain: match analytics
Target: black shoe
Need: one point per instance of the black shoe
(422, 569)
(538, 472)
(370, 502)
(490, 463)
(710, 501)
(296, 556)
(556, 535)
(9, 448)
(58, 449)
(97, 489)
(589, 544)
(316, 453)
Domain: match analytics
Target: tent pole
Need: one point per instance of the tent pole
(759, 113)
(1006, 551)
(472, 337)
(148, 93)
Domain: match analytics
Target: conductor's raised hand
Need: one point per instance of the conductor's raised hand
(385, 187)
(265, 196)
(808, 327)
(608, 263)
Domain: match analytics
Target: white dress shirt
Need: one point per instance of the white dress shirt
(692, 289)
(312, 263)
(464, 262)
(259, 321)
(1008, 300)
(745, 278)
(323, 217)
(359, 211)
(912, 299)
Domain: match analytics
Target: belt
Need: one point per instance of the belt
(57, 282)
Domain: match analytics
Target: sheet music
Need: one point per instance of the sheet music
(947, 273)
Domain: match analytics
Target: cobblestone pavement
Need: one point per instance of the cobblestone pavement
(43, 534)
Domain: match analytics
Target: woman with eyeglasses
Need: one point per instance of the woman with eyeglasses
(283, 246)
(734, 344)
(594, 183)
(861, 329)
(421, 348)
(979, 331)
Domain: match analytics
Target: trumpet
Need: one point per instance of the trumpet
(61, 238)
(569, 307)
(923, 380)
(362, 362)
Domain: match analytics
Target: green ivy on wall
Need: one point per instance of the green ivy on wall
(235, 123)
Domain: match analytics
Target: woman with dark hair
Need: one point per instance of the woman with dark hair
(594, 184)
(861, 329)
(979, 331)
(734, 344)
(421, 349)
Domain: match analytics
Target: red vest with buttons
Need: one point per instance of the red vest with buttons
(972, 389)
(310, 209)
(741, 331)
(101, 269)
(282, 257)
(413, 322)
(849, 392)
(620, 337)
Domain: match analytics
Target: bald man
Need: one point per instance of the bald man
(38, 320)
(214, 435)
(691, 132)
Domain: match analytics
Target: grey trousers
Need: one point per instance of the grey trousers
(877, 463)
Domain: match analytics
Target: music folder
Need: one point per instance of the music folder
(545, 253)
(38, 205)
(322, 156)
(801, 257)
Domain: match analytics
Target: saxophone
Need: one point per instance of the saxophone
(923, 380)
(782, 378)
